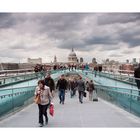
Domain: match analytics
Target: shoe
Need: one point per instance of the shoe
(40, 125)
(60, 102)
(63, 103)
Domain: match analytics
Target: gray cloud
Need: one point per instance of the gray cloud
(109, 48)
(128, 52)
(101, 32)
(131, 38)
(115, 55)
(101, 40)
(111, 18)
(5, 20)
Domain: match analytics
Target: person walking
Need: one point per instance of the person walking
(137, 80)
(73, 86)
(90, 90)
(95, 71)
(87, 85)
(62, 86)
(45, 95)
(50, 83)
(81, 89)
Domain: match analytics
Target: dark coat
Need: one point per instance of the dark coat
(137, 73)
(91, 87)
(73, 85)
(81, 85)
(50, 83)
(61, 84)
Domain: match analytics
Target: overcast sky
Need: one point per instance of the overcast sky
(101, 35)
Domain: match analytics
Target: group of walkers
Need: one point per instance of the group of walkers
(46, 90)
(74, 85)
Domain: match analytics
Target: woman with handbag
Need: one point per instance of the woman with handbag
(43, 95)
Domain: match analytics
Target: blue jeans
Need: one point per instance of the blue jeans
(73, 92)
(62, 95)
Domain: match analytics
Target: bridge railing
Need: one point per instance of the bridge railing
(5, 73)
(128, 99)
(25, 77)
(117, 77)
(19, 78)
(13, 99)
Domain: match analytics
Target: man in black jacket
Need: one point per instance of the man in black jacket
(137, 75)
(50, 83)
(62, 86)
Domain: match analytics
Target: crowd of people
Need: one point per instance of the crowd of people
(70, 67)
(46, 90)
(39, 68)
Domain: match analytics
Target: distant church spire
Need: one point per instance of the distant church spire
(72, 50)
(55, 59)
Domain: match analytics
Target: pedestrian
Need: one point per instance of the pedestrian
(69, 67)
(95, 70)
(90, 90)
(81, 89)
(87, 85)
(45, 95)
(50, 83)
(73, 86)
(137, 80)
(62, 86)
(75, 67)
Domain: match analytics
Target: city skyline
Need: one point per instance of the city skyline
(92, 35)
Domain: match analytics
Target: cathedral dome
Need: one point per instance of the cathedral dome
(72, 53)
(72, 58)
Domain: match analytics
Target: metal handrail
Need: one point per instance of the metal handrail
(109, 89)
(118, 87)
(123, 76)
(16, 70)
(14, 89)
(18, 88)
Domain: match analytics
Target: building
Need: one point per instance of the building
(72, 58)
(31, 63)
(111, 65)
(127, 68)
(9, 66)
(35, 61)
(15, 66)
